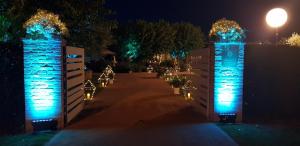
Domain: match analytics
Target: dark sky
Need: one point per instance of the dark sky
(249, 13)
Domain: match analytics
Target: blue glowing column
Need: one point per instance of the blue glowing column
(43, 79)
(228, 78)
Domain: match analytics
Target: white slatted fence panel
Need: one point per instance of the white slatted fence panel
(75, 82)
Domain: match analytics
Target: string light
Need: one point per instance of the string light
(188, 88)
(103, 80)
(227, 30)
(89, 87)
(47, 20)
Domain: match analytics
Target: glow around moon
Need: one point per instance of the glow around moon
(276, 17)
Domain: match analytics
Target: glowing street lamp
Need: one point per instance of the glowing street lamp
(276, 18)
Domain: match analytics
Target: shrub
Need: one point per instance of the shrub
(167, 63)
(178, 82)
(294, 40)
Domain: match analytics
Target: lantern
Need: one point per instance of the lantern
(108, 70)
(110, 74)
(89, 90)
(188, 89)
(103, 80)
(168, 74)
(189, 68)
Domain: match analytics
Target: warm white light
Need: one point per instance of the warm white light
(276, 17)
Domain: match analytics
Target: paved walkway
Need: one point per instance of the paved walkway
(140, 110)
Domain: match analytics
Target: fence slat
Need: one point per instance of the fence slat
(69, 93)
(74, 73)
(72, 114)
(72, 60)
(74, 104)
(73, 97)
(75, 81)
(74, 66)
(75, 50)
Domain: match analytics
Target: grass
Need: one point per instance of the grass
(262, 135)
(36, 139)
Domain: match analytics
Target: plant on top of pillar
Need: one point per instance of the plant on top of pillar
(44, 25)
(225, 30)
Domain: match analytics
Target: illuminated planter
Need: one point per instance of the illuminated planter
(43, 80)
(228, 78)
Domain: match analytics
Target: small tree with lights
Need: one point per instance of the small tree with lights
(293, 40)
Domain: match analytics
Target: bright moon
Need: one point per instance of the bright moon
(276, 17)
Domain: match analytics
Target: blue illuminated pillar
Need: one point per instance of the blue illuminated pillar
(43, 80)
(228, 78)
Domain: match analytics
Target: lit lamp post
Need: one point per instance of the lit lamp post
(276, 18)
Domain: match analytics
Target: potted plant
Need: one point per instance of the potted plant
(176, 83)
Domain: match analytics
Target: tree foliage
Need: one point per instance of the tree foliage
(162, 37)
(226, 31)
(187, 37)
(85, 19)
(140, 32)
(293, 40)
(4, 29)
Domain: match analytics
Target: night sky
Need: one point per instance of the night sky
(249, 13)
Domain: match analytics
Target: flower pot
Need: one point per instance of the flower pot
(176, 91)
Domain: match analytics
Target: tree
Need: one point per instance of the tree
(4, 29)
(140, 33)
(86, 20)
(187, 37)
(3, 6)
(164, 37)
(294, 40)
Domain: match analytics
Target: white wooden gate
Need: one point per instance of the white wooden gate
(201, 64)
(74, 82)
